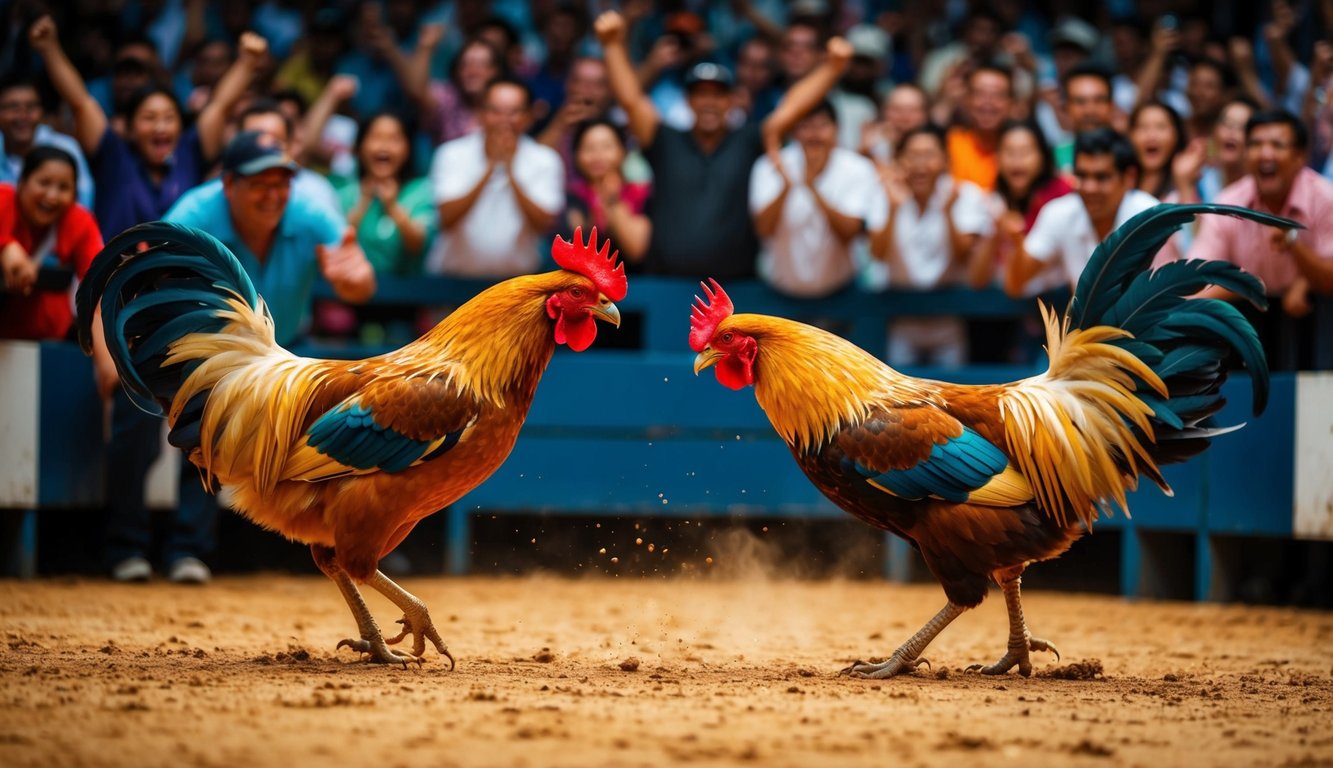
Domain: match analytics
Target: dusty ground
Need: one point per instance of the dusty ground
(243, 673)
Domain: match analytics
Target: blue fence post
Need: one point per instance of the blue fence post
(1131, 562)
(897, 559)
(458, 546)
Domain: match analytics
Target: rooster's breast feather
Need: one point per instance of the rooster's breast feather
(387, 425)
(923, 452)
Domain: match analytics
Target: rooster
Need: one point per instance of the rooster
(985, 480)
(346, 456)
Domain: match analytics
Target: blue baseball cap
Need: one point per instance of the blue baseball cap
(252, 152)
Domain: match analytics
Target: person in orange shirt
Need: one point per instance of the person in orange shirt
(987, 104)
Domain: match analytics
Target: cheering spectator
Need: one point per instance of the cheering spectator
(905, 107)
(41, 226)
(810, 208)
(497, 190)
(587, 97)
(1086, 92)
(700, 174)
(451, 109)
(1158, 136)
(393, 214)
(934, 223)
(800, 54)
(1296, 265)
(1069, 228)
(22, 129)
(141, 175)
(1198, 180)
(1026, 182)
(986, 106)
(599, 195)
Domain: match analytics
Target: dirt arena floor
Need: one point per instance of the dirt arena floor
(618, 672)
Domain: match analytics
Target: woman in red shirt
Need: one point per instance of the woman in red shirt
(43, 232)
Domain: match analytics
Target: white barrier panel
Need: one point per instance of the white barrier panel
(163, 481)
(20, 407)
(1314, 456)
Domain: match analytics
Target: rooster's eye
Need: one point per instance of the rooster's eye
(726, 338)
(576, 293)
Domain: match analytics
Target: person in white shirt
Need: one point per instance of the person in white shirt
(1069, 228)
(498, 191)
(811, 206)
(934, 223)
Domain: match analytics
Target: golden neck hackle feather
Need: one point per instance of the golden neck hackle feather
(812, 383)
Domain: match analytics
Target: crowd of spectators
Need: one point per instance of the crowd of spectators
(817, 145)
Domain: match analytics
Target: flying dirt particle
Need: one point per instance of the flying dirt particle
(638, 542)
(651, 547)
(630, 665)
(708, 561)
(533, 541)
(615, 561)
(602, 551)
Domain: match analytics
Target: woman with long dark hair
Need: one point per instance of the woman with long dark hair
(1025, 182)
(393, 213)
(1158, 135)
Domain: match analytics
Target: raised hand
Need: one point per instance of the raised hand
(343, 87)
(430, 35)
(253, 47)
(839, 52)
(43, 35)
(610, 28)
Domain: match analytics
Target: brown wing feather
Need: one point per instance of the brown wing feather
(897, 438)
(420, 408)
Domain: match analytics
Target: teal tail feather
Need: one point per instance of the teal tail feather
(1185, 341)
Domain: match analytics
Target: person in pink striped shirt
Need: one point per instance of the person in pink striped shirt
(1297, 265)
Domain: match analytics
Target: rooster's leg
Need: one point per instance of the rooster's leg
(416, 619)
(371, 641)
(908, 655)
(1021, 642)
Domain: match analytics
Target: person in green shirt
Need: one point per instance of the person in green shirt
(394, 215)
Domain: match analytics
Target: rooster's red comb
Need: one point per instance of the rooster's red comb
(707, 314)
(598, 266)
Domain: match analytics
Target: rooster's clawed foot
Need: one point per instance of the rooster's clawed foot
(1017, 656)
(421, 630)
(896, 665)
(379, 653)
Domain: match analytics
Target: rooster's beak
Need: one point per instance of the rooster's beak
(606, 310)
(706, 358)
